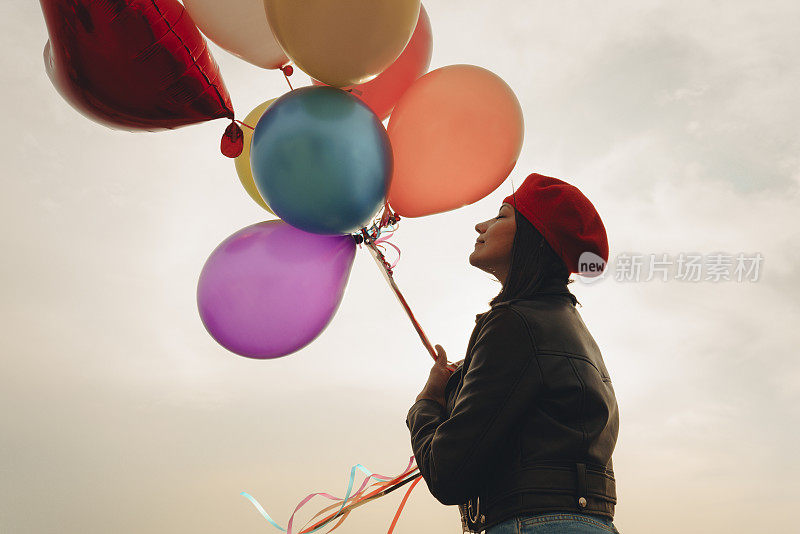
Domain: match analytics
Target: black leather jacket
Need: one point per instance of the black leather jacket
(531, 419)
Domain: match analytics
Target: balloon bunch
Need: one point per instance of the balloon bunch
(318, 157)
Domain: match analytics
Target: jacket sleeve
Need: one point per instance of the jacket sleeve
(503, 378)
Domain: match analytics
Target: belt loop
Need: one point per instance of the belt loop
(582, 490)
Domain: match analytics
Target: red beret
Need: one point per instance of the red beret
(566, 219)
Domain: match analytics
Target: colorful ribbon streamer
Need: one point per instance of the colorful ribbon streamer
(383, 489)
(385, 485)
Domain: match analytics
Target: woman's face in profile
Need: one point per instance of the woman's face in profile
(493, 247)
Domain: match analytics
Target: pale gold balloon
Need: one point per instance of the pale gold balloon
(342, 42)
(240, 27)
(242, 161)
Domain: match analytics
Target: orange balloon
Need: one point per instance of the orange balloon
(456, 135)
(383, 92)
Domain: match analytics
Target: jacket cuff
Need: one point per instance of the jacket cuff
(427, 409)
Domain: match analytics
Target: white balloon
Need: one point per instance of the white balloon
(240, 27)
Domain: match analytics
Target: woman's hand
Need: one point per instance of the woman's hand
(440, 372)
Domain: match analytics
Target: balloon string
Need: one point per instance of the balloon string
(344, 501)
(243, 124)
(385, 233)
(338, 523)
(402, 505)
(356, 500)
(346, 496)
(383, 488)
(388, 221)
(262, 511)
(382, 240)
(389, 231)
(368, 237)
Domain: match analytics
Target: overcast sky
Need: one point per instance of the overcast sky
(119, 413)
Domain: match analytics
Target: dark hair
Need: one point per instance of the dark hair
(534, 264)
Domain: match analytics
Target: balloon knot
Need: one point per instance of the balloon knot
(232, 142)
(287, 70)
(389, 217)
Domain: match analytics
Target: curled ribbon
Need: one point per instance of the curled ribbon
(382, 488)
(349, 501)
(381, 240)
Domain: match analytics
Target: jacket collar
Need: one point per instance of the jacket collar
(548, 290)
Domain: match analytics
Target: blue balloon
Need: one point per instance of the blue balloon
(322, 160)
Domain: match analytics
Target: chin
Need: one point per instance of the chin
(472, 260)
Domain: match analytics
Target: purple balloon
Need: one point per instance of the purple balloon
(270, 289)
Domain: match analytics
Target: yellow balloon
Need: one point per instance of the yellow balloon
(342, 42)
(242, 161)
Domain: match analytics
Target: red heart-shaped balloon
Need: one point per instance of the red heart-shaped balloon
(133, 64)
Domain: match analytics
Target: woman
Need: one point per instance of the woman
(520, 435)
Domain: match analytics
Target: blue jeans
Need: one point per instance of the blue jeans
(555, 523)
